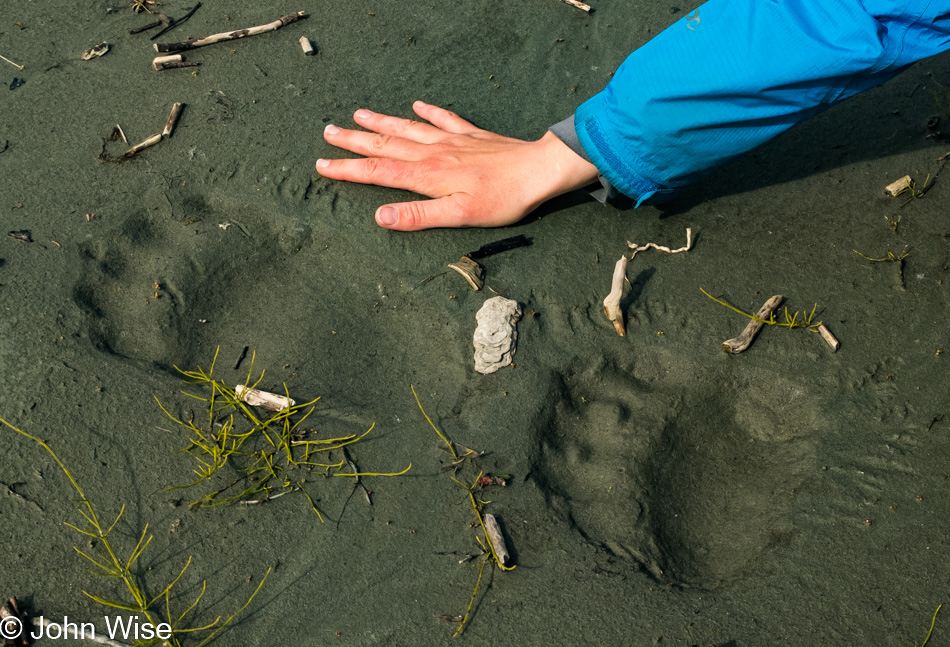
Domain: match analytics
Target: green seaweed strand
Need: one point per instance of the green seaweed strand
(932, 623)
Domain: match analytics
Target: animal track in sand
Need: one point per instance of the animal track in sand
(694, 486)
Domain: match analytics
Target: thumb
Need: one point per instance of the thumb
(424, 214)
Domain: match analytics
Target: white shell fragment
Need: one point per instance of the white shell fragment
(495, 335)
(263, 399)
(306, 46)
(98, 50)
(496, 538)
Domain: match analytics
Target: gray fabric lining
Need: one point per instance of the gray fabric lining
(564, 130)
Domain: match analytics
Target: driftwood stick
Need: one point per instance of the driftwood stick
(579, 5)
(174, 65)
(642, 248)
(159, 61)
(496, 538)
(612, 302)
(121, 133)
(263, 399)
(19, 67)
(172, 120)
(191, 43)
(897, 187)
(162, 20)
(174, 23)
(828, 337)
(151, 141)
(744, 340)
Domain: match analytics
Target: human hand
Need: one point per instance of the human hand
(478, 178)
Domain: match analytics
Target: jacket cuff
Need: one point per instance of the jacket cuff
(602, 191)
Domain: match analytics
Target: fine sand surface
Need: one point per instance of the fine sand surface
(661, 491)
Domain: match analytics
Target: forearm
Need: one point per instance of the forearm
(739, 72)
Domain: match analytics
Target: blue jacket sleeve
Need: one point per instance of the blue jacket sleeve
(734, 73)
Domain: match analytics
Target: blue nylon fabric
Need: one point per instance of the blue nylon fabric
(735, 73)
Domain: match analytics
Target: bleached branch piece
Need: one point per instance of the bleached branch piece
(642, 248)
(828, 337)
(121, 133)
(579, 5)
(496, 538)
(263, 399)
(897, 187)
(19, 67)
(191, 43)
(306, 46)
(612, 302)
(745, 339)
(151, 141)
(159, 62)
(172, 120)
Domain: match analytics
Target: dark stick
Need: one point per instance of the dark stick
(175, 23)
(499, 246)
(171, 65)
(162, 20)
(241, 358)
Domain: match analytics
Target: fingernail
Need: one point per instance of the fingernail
(331, 129)
(363, 114)
(421, 103)
(387, 216)
(322, 163)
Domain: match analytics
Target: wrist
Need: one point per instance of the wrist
(563, 169)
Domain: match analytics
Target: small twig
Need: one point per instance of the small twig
(172, 120)
(579, 5)
(269, 497)
(642, 248)
(175, 23)
(162, 20)
(19, 67)
(174, 65)
(230, 35)
(240, 359)
(151, 141)
(745, 339)
(612, 302)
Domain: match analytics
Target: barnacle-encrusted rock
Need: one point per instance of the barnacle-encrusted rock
(496, 334)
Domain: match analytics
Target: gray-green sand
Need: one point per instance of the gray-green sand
(662, 491)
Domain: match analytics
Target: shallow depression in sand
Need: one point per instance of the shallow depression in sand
(694, 485)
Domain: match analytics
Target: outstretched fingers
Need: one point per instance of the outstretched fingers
(374, 144)
(397, 127)
(444, 119)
